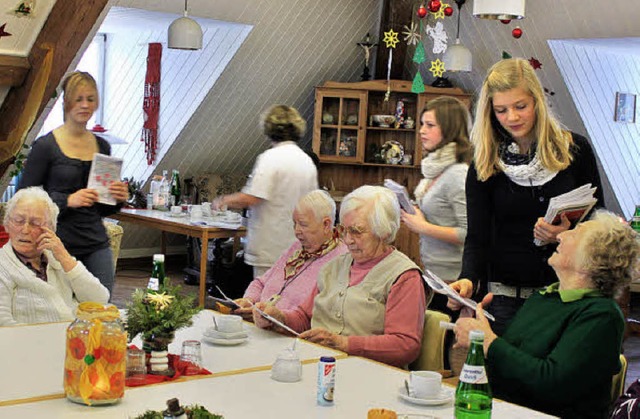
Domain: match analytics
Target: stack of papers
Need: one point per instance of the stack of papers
(104, 171)
(575, 204)
(402, 194)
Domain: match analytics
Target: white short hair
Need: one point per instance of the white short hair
(383, 214)
(34, 193)
(320, 203)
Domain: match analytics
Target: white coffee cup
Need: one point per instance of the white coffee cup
(229, 323)
(176, 210)
(424, 384)
(196, 212)
(206, 209)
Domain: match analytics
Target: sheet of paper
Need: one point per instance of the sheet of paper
(441, 287)
(104, 170)
(401, 194)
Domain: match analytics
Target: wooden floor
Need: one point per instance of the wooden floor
(134, 273)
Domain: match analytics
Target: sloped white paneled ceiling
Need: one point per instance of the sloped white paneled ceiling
(594, 70)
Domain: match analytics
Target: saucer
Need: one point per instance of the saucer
(224, 342)
(445, 396)
(216, 334)
(182, 214)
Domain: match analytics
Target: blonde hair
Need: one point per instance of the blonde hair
(553, 142)
(283, 123)
(454, 120)
(609, 253)
(381, 208)
(70, 87)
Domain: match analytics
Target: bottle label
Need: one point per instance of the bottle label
(473, 374)
(154, 284)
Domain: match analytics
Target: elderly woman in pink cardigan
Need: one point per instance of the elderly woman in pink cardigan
(293, 277)
(371, 301)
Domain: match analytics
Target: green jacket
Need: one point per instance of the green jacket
(559, 357)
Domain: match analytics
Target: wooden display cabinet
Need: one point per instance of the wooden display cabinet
(351, 145)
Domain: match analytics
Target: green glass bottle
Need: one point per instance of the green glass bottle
(473, 395)
(635, 221)
(158, 280)
(175, 187)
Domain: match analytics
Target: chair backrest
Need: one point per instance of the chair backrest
(114, 232)
(432, 353)
(617, 384)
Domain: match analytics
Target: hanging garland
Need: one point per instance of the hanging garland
(151, 103)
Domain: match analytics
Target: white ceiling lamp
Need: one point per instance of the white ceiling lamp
(458, 57)
(185, 33)
(499, 9)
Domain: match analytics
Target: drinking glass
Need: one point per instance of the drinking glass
(136, 366)
(192, 353)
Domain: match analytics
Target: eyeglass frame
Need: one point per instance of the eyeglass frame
(354, 231)
(21, 222)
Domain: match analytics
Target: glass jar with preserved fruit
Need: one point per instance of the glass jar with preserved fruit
(95, 361)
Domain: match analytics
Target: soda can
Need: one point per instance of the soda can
(326, 380)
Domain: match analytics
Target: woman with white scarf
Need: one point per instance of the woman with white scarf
(523, 157)
(441, 219)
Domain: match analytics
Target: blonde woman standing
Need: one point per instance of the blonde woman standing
(523, 157)
(60, 162)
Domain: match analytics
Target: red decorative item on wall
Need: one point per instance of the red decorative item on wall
(151, 103)
(448, 11)
(434, 6)
(422, 11)
(505, 21)
(516, 32)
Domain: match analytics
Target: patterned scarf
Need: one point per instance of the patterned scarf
(433, 165)
(296, 262)
(523, 169)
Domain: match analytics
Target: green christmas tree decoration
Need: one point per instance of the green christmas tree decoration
(505, 55)
(418, 83)
(419, 56)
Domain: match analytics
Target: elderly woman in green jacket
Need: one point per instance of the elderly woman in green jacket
(560, 351)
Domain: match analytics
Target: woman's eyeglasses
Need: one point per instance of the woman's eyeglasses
(21, 222)
(354, 231)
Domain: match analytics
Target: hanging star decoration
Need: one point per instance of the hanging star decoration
(437, 68)
(391, 38)
(412, 34)
(535, 63)
(439, 36)
(3, 32)
(440, 13)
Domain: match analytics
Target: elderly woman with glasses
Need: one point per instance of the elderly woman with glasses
(291, 280)
(562, 348)
(39, 280)
(369, 302)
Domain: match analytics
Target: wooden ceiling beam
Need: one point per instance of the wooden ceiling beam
(65, 30)
(13, 70)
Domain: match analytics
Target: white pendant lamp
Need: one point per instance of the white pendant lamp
(499, 9)
(458, 57)
(185, 33)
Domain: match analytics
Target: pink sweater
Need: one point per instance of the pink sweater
(404, 318)
(269, 284)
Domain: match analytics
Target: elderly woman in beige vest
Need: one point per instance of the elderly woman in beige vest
(369, 302)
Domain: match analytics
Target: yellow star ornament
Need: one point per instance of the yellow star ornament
(391, 38)
(160, 301)
(437, 68)
(440, 13)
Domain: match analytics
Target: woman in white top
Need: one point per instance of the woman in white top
(39, 280)
(280, 177)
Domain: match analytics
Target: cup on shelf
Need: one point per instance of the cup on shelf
(229, 324)
(424, 384)
(136, 366)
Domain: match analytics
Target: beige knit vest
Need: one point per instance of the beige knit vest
(357, 310)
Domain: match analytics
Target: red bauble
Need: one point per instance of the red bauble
(516, 32)
(448, 11)
(505, 21)
(422, 11)
(434, 6)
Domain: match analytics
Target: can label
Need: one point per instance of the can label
(326, 381)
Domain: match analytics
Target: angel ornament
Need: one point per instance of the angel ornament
(439, 37)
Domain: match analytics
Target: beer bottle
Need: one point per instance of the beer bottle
(157, 282)
(635, 221)
(473, 395)
(175, 187)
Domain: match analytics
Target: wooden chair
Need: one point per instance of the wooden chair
(432, 353)
(617, 384)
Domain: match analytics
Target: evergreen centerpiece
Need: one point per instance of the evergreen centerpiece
(156, 315)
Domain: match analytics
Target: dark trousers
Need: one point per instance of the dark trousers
(504, 310)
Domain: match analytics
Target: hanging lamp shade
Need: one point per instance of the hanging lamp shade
(457, 57)
(185, 33)
(499, 9)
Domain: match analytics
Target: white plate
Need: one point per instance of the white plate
(445, 396)
(224, 342)
(216, 334)
(182, 214)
